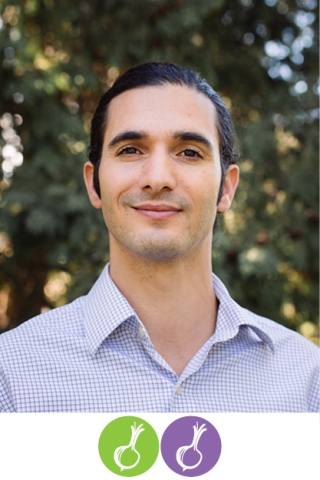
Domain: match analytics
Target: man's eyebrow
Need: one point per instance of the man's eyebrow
(183, 136)
(128, 135)
(193, 137)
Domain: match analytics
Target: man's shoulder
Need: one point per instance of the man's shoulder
(280, 338)
(64, 320)
(285, 339)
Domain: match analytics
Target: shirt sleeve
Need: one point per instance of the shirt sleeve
(5, 402)
(314, 394)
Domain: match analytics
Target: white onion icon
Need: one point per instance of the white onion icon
(135, 432)
(197, 432)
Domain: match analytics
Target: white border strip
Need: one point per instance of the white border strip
(65, 446)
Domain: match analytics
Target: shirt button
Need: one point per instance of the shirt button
(179, 390)
(141, 332)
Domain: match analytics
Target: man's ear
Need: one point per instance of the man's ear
(229, 188)
(88, 171)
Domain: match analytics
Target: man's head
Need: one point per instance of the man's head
(157, 74)
(161, 164)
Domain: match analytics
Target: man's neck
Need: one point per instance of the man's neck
(175, 302)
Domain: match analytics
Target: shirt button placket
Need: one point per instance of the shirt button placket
(179, 390)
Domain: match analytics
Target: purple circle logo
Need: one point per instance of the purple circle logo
(191, 446)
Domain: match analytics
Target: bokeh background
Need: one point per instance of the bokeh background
(58, 56)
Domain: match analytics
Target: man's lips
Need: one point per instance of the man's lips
(157, 211)
(160, 207)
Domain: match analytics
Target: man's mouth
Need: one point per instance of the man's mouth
(159, 211)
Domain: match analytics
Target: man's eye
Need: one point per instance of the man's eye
(190, 153)
(128, 151)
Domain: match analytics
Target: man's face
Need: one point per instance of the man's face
(160, 173)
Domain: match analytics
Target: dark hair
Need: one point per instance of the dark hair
(155, 74)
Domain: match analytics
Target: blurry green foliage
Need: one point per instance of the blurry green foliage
(57, 58)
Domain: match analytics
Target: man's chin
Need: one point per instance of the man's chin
(156, 247)
(157, 250)
(159, 255)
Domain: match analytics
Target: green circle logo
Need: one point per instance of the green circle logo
(128, 446)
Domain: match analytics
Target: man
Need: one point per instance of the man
(158, 332)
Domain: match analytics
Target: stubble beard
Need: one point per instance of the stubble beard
(158, 246)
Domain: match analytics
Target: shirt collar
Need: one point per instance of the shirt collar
(231, 317)
(105, 308)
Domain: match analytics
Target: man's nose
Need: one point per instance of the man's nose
(158, 172)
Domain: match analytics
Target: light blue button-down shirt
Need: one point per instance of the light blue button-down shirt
(95, 355)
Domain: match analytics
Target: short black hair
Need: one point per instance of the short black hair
(155, 74)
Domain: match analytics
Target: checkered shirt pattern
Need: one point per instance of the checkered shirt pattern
(95, 355)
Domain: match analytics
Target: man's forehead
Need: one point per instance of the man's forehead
(169, 106)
